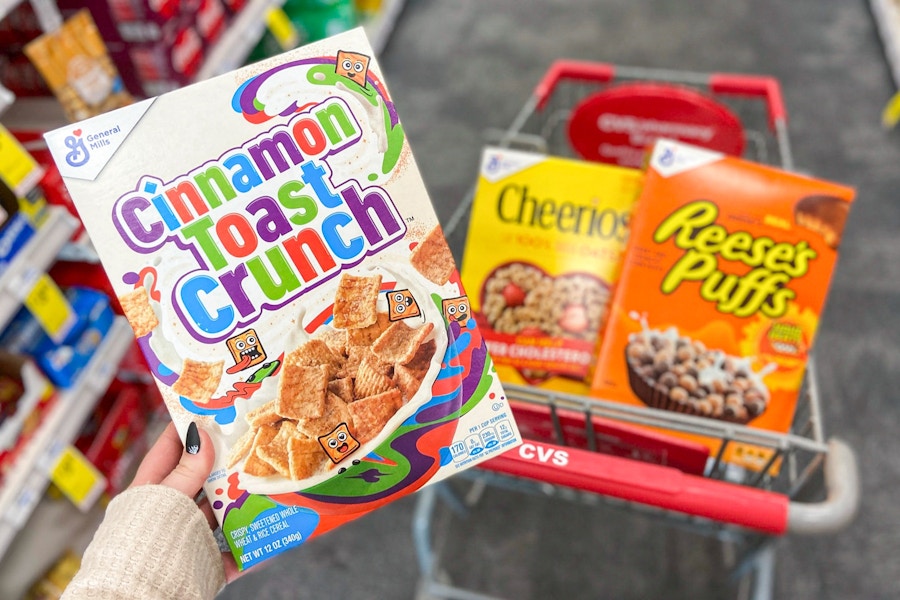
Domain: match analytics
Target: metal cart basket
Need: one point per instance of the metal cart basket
(747, 510)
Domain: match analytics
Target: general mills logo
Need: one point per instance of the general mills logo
(494, 163)
(78, 153)
(667, 158)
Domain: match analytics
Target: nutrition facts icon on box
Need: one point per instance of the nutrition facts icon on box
(474, 445)
(505, 431)
(458, 451)
(489, 438)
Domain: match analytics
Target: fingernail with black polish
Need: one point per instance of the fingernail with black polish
(192, 439)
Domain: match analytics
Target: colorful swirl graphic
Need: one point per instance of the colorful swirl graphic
(249, 99)
(412, 455)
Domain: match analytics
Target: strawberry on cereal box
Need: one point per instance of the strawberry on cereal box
(268, 235)
(722, 287)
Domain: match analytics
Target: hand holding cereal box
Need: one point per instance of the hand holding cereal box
(271, 243)
(723, 282)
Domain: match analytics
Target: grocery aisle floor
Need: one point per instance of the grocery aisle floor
(458, 68)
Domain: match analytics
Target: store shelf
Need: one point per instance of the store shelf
(887, 19)
(33, 260)
(6, 98)
(379, 28)
(7, 6)
(46, 11)
(242, 35)
(232, 50)
(37, 113)
(26, 483)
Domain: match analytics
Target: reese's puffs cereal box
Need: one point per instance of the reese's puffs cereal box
(722, 286)
(271, 242)
(542, 256)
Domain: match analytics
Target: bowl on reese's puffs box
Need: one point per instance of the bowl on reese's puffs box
(271, 242)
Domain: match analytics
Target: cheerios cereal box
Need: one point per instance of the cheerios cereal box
(542, 257)
(271, 242)
(722, 288)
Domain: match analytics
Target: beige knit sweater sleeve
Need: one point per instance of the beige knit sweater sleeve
(154, 543)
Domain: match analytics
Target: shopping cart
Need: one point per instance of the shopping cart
(747, 510)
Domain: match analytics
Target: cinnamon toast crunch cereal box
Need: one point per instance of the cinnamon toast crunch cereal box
(542, 257)
(722, 287)
(271, 242)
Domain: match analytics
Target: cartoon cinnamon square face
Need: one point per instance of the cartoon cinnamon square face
(339, 444)
(246, 350)
(402, 305)
(353, 66)
(457, 309)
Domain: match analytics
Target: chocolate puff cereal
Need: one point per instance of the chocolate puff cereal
(673, 372)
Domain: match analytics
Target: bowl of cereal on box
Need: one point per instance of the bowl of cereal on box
(671, 371)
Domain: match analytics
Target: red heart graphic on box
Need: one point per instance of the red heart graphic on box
(77, 133)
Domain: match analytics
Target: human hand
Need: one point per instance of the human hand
(184, 468)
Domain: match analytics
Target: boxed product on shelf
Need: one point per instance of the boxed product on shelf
(74, 62)
(53, 583)
(311, 20)
(30, 213)
(542, 257)
(272, 244)
(51, 187)
(722, 286)
(62, 361)
(157, 47)
(133, 20)
(13, 236)
(169, 63)
(34, 402)
(19, 76)
(114, 437)
(17, 28)
(9, 207)
(211, 18)
(19, 170)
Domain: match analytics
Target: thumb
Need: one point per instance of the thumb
(195, 464)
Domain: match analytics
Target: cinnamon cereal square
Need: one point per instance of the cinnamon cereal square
(355, 302)
(263, 415)
(305, 457)
(276, 451)
(407, 381)
(366, 336)
(371, 377)
(198, 380)
(301, 391)
(371, 414)
(241, 448)
(342, 387)
(313, 353)
(137, 309)
(335, 413)
(399, 342)
(432, 257)
(254, 465)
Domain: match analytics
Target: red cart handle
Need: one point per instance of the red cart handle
(653, 485)
(753, 85)
(571, 69)
(718, 83)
